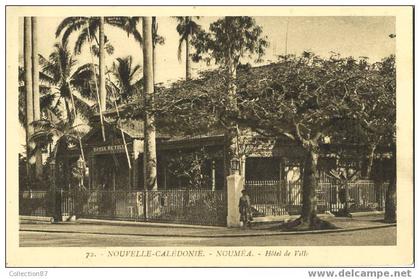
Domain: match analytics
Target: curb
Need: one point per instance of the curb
(218, 235)
(120, 223)
(284, 218)
(366, 213)
(144, 224)
(35, 218)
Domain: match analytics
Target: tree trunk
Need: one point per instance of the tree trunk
(102, 89)
(187, 58)
(232, 101)
(391, 193)
(231, 132)
(29, 93)
(372, 149)
(149, 127)
(35, 85)
(308, 188)
(70, 118)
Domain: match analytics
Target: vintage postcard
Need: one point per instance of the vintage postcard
(209, 136)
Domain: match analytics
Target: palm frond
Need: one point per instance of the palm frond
(70, 26)
(81, 40)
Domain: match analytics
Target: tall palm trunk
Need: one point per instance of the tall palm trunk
(29, 93)
(150, 159)
(187, 58)
(35, 85)
(102, 89)
(154, 43)
(154, 64)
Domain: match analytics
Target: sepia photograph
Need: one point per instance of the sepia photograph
(208, 129)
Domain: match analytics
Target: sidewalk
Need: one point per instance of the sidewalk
(86, 226)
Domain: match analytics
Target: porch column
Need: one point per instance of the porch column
(131, 172)
(89, 165)
(137, 149)
(165, 174)
(52, 176)
(134, 169)
(92, 171)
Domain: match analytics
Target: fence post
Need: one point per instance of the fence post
(56, 211)
(63, 203)
(235, 184)
(145, 205)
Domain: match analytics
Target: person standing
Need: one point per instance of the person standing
(245, 208)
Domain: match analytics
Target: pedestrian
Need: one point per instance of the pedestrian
(245, 208)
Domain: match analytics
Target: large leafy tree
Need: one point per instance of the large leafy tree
(229, 40)
(309, 99)
(306, 99)
(187, 28)
(377, 117)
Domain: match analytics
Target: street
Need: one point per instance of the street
(378, 236)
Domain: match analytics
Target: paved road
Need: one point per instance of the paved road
(379, 236)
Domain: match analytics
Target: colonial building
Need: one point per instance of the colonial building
(113, 165)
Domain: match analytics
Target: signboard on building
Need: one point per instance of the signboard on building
(109, 149)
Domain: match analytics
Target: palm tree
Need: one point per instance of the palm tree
(66, 134)
(229, 40)
(130, 25)
(126, 79)
(28, 89)
(187, 28)
(150, 158)
(45, 98)
(89, 27)
(64, 92)
(59, 83)
(70, 88)
(35, 88)
(157, 40)
(127, 24)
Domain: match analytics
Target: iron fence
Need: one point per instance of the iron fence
(35, 203)
(203, 207)
(285, 198)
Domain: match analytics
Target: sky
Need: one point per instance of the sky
(350, 36)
